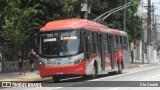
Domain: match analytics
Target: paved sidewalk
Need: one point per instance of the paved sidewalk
(28, 77)
(138, 63)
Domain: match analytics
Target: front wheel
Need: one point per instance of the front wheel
(94, 72)
(119, 68)
(56, 79)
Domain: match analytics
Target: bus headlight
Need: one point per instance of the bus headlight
(78, 61)
(42, 63)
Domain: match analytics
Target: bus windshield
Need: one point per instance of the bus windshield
(61, 43)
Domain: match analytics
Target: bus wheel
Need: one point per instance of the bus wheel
(119, 68)
(56, 79)
(94, 71)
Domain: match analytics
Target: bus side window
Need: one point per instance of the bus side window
(109, 50)
(126, 42)
(88, 43)
(115, 41)
(121, 42)
(118, 41)
(95, 45)
(106, 43)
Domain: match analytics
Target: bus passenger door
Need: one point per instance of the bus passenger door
(102, 51)
(111, 50)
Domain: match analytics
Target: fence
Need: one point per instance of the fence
(10, 50)
(10, 54)
(12, 66)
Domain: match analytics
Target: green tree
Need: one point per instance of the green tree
(20, 19)
(19, 23)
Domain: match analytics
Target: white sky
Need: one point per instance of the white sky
(156, 4)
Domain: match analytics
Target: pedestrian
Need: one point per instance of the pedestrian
(32, 57)
(154, 54)
(21, 63)
(1, 61)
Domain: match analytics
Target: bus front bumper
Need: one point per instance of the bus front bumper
(77, 69)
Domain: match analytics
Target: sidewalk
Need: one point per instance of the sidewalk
(34, 76)
(28, 77)
(138, 63)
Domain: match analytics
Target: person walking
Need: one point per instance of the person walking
(1, 62)
(32, 57)
(21, 63)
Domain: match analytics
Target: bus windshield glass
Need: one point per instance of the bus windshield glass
(61, 43)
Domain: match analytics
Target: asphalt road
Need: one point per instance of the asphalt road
(140, 78)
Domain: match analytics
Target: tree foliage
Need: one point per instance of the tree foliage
(19, 22)
(20, 19)
(133, 22)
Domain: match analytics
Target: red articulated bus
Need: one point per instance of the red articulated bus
(80, 47)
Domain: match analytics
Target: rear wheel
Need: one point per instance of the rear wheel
(94, 71)
(119, 68)
(56, 79)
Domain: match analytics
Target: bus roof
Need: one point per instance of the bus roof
(79, 23)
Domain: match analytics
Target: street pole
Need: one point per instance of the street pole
(124, 17)
(155, 32)
(149, 33)
(84, 9)
(86, 12)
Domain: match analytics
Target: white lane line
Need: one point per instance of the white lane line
(157, 75)
(71, 78)
(54, 88)
(152, 76)
(147, 78)
(114, 89)
(120, 74)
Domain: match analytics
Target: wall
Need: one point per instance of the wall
(12, 66)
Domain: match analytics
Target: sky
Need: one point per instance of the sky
(156, 4)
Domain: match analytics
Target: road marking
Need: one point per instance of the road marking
(114, 88)
(151, 77)
(122, 74)
(71, 78)
(157, 75)
(54, 88)
(146, 78)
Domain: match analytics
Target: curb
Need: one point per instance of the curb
(133, 65)
(38, 79)
(28, 78)
(31, 79)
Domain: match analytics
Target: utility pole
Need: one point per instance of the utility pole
(154, 25)
(155, 32)
(124, 17)
(149, 33)
(86, 12)
(84, 9)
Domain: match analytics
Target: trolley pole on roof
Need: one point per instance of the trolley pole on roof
(102, 17)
